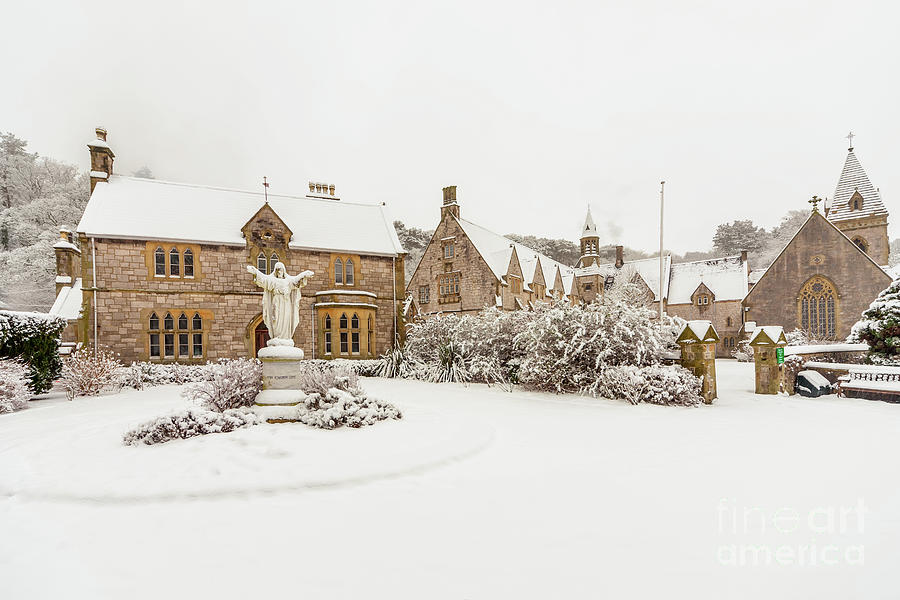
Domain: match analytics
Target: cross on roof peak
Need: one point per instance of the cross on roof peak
(850, 137)
(815, 203)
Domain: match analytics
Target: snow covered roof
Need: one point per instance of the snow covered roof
(66, 244)
(853, 178)
(496, 251)
(698, 330)
(774, 333)
(68, 302)
(647, 269)
(726, 278)
(137, 208)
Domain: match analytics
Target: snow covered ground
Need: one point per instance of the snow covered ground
(476, 493)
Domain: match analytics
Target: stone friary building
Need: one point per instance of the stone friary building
(833, 267)
(467, 267)
(157, 270)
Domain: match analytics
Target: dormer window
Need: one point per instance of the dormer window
(856, 201)
(702, 300)
(448, 251)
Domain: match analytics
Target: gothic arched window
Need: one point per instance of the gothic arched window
(817, 307)
(188, 263)
(261, 263)
(369, 338)
(354, 334)
(338, 272)
(159, 258)
(327, 334)
(154, 321)
(197, 322)
(183, 321)
(169, 322)
(348, 272)
(174, 262)
(861, 244)
(272, 261)
(345, 342)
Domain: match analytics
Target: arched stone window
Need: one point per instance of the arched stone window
(169, 322)
(182, 321)
(159, 259)
(169, 338)
(369, 332)
(327, 334)
(154, 322)
(174, 263)
(861, 244)
(345, 341)
(818, 307)
(728, 322)
(261, 263)
(154, 337)
(348, 272)
(354, 334)
(197, 322)
(188, 263)
(272, 261)
(338, 272)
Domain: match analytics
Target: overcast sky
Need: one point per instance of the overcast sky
(533, 109)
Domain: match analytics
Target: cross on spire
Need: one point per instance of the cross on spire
(815, 203)
(850, 137)
(266, 188)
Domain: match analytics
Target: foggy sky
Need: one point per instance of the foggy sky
(533, 109)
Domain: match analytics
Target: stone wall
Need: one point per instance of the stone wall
(225, 293)
(717, 313)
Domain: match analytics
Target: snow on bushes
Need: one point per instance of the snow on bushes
(656, 384)
(880, 327)
(230, 384)
(87, 373)
(33, 337)
(188, 423)
(141, 374)
(743, 352)
(14, 392)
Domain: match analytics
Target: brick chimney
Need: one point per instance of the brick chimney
(449, 206)
(101, 158)
(321, 190)
(67, 260)
(620, 256)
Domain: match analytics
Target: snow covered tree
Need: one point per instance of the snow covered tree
(14, 392)
(880, 326)
(34, 338)
(84, 374)
(415, 241)
(232, 384)
(731, 238)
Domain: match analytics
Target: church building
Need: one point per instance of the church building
(833, 267)
(157, 270)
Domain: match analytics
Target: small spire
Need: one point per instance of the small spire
(589, 226)
(266, 188)
(850, 137)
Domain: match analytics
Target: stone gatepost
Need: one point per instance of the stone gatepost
(768, 344)
(698, 354)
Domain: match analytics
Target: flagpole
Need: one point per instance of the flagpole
(662, 185)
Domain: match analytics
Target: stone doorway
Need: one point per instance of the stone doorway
(260, 337)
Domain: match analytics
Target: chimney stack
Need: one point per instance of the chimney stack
(321, 190)
(449, 206)
(620, 256)
(101, 158)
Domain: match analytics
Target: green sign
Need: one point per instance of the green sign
(779, 354)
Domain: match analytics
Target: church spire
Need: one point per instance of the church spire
(590, 228)
(590, 242)
(855, 196)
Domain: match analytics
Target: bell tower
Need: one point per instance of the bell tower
(590, 242)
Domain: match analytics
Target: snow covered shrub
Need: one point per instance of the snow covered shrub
(800, 337)
(655, 384)
(188, 423)
(33, 337)
(743, 352)
(319, 379)
(565, 348)
(84, 374)
(141, 374)
(231, 384)
(14, 392)
(880, 326)
(793, 364)
(363, 368)
(394, 363)
(344, 407)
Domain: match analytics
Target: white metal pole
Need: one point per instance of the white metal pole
(662, 185)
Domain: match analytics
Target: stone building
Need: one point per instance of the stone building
(833, 268)
(158, 268)
(466, 268)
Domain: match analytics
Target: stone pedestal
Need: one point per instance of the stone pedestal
(281, 376)
(765, 342)
(698, 355)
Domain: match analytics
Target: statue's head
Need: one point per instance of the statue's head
(279, 270)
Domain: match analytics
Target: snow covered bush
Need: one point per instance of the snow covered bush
(84, 374)
(880, 327)
(14, 392)
(566, 348)
(231, 384)
(656, 384)
(319, 379)
(351, 408)
(141, 374)
(394, 363)
(188, 423)
(33, 337)
(363, 368)
(743, 352)
(800, 337)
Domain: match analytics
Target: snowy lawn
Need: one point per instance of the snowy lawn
(476, 493)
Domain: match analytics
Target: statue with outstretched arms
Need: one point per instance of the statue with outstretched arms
(281, 302)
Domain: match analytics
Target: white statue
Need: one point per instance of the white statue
(281, 302)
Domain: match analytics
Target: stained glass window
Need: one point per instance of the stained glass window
(817, 308)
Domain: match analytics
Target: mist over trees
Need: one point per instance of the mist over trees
(38, 196)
